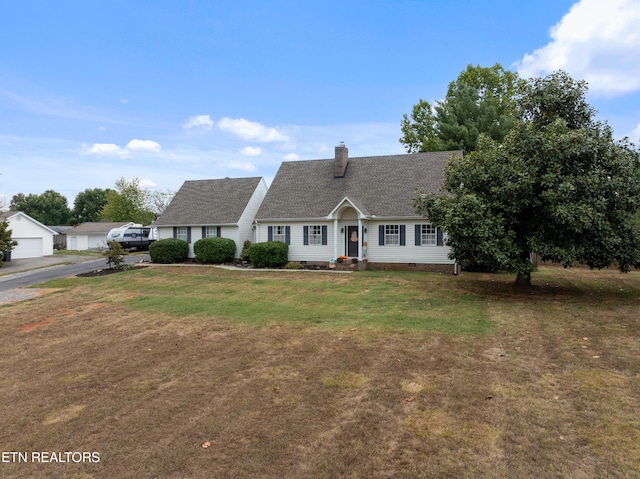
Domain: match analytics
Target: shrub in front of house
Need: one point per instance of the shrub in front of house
(244, 256)
(168, 250)
(272, 254)
(214, 250)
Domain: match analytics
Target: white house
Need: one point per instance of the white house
(34, 239)
(91, 235)
(359, 208)
(213, 208)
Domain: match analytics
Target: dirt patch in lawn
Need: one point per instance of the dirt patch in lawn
(159, 395)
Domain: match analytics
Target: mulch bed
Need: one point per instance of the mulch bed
(106, 271)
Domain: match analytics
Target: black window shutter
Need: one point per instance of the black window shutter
(219, 231)
(189, 234)
(324, 235)
(287, 234)
(418, 235)
(403, 235)
(305, 230)
(270, 233)
(204, 231)
(381, 235)
(440, 240)
(175, 231)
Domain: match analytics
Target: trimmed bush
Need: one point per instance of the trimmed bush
(169, 250)
(244, 256)
(272, 254)
(215, 250)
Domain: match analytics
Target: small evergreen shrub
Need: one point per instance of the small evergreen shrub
(293, 265)
(271, 254)
(215, 250)
(244, 256)
(169, 250)
(114, 254)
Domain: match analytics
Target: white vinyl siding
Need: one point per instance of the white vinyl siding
(410, 253)
(298, 251)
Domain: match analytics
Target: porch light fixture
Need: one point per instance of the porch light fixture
(342, 230)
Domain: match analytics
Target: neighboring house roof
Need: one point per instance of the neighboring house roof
(382, 186)
(7, 215)
(209, 202)
(99, 227)
(61, 229)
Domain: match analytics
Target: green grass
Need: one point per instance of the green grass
(394, 301)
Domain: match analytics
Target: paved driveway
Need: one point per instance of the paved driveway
(25, 272)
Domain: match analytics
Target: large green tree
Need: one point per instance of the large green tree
(481, 100)
(128, 202)
(558, 185)
(89, 204)
(49, 208)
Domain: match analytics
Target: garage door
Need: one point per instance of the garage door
(27, 248)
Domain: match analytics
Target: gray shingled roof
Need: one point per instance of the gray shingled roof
(378, 185)
(209, 202)
(95, 227)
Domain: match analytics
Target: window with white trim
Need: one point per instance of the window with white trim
(211, 232)
(280, 234)
(181, 233)
(392, 234)
(315, 235)
(428, 234)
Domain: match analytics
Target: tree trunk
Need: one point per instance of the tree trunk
(523, 279)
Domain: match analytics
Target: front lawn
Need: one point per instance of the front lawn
(204, 372)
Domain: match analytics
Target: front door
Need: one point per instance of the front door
(352, 241)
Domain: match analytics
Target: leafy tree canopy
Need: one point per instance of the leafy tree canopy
(89, 204)
(558, 185)
(481, 101)
(49, 208)
(128, 202)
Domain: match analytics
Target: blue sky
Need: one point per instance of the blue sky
(168, 91)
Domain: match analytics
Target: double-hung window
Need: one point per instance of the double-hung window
(182, 234)
(279, 234)
(315, 235)
(427, 234)
(392, 235)
(211, 231)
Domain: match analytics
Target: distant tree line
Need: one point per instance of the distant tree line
(128, 201)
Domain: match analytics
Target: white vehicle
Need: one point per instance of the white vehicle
(135, 237)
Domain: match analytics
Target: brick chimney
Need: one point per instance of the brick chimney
(341, 161)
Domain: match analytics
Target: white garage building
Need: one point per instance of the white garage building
(34, 239)
(91, 236)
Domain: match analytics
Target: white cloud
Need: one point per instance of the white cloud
(143, 145)
(292, 157)
(106, 149)
(203, 122)
(251, 151)
(596, 41)
(147, 183)
(239, 165)
(111, 149)
(249, 130)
